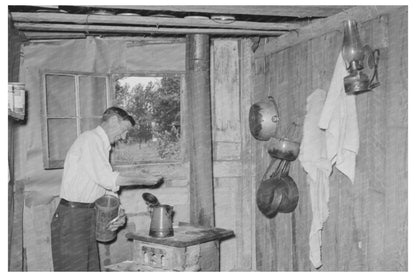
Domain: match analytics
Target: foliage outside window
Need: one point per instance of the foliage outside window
(155, 106)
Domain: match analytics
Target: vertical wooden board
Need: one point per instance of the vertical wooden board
(376, 230)
(283, 250)
(227, 150)
(376, 163)
(361, 186)
(302, 214)
(275, 230)
(396, 69)
(16, 251)
(225, 194)
(289, 89)
(264, 243)
(185, 121)
(244, 223)
(360, 189)
(396, 175)
(345, 222)
(261, 161)
(396, 209)
(281, 88)
(280, 230)
(226, 120)
(227, 168)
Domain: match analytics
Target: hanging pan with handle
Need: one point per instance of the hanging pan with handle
(279, 193)
(263, 119)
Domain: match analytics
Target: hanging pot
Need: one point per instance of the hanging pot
(263, 119)
(278, 193)
(284, 149)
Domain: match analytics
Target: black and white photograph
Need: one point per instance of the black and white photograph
(211, 137)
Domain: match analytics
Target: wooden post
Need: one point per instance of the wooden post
(198, 89)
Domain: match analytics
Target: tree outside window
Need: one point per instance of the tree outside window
(154, 103)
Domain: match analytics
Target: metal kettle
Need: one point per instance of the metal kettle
(161, 224)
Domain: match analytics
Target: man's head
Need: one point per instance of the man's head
(116, 122)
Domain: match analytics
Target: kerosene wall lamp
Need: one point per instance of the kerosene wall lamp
(355, 55)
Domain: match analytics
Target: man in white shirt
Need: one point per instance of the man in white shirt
(87, 176)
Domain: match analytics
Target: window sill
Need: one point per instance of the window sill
(124, 167)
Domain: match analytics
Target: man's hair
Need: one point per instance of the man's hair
(120, 113)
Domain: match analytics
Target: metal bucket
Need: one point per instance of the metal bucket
(106, 210)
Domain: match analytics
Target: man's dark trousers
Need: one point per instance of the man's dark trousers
(74, 247)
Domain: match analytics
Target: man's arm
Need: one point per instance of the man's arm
(138, 180)
(130, 179)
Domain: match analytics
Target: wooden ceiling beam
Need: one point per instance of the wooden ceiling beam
(324, 26)
(134, 29)
(148, 21)
(261, 10)
(53, 35)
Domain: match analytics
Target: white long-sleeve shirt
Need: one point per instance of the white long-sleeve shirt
(87, 170)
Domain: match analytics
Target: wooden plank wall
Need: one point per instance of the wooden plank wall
(231, 92)
(15, 191)
(226, 142)
(367, 225)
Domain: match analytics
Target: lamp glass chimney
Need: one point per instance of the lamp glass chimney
(352, 49)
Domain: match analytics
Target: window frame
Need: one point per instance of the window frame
(110, 100)
(58, 164)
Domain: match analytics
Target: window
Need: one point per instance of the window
(154, 101)
(72, 105)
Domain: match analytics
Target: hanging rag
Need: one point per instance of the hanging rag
(314, 160)
(339, 120)
(330, 137)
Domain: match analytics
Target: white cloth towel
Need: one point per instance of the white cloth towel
(314, 160)
(339, 120)
(330, 136)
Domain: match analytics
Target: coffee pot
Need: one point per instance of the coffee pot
(161, 217)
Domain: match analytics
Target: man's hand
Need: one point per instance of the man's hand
(117, 222)
(150, 180)
(159, 180)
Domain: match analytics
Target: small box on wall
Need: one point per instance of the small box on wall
(17, 100)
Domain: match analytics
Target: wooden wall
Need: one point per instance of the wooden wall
(367, 225)
(231, 96)
(15, 190)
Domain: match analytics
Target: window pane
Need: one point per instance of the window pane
(92, 96)
(154, 102)
(60, 95)
(89, 123)
(61, 134)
